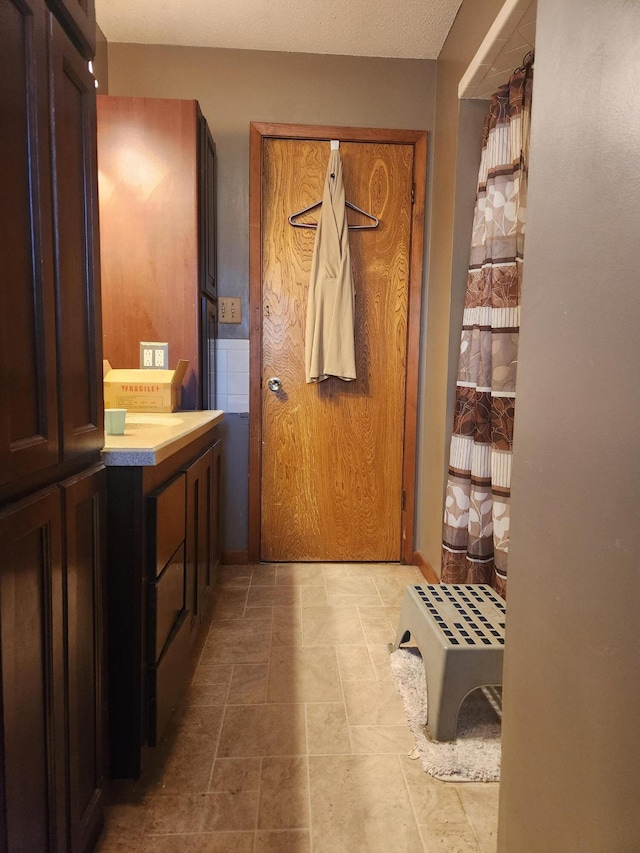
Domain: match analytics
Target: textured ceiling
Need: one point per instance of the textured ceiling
(406, 29)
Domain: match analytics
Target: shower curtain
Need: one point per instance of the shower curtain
(475, 544)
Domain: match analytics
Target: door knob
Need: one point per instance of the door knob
(274, 384)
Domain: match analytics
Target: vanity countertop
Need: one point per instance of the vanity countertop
(150, 437)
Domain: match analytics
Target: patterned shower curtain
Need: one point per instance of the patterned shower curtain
(477, 513)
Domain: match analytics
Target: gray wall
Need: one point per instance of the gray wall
(235, 87)
(456, 155)
(571, 755)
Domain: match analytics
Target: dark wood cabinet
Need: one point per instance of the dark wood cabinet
(207, 208)
(79, 20)
(84, 514)
(50, 373)
(31, 630)
(203, 525)
(157, 233)
(52, 486)
(28, 367)
(163, 534)
(53, 748)
(75, 248)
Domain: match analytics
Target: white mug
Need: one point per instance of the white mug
(114, 420)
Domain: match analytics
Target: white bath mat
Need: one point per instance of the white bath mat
(475, 754)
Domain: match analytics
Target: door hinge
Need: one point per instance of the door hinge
(403, 499)
(413, 193)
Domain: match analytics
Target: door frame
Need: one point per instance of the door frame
(258, 132)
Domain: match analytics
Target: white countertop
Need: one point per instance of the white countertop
(151, 437)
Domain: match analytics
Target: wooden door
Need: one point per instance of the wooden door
(332, 469)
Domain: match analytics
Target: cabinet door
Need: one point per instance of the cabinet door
(208, 334)
(84, 502)
(79, 20)
(203, 511)
(28, 415)
(76, 246)
(32, 753)
(207, 205)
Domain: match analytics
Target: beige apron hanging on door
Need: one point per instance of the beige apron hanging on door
(329, 339)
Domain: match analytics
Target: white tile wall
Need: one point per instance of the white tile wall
(232, 375)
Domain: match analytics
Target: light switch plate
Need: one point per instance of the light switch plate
(154, 355)
(229, 309)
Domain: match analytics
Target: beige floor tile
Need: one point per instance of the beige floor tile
(331, 626)
(194, 727)
(124, 825)
(295, 685)
(207, 674)
(237, 641)
(359, 804)
(283, 841)
(327, 729)
(299, 574)
(265, 612)
(480, 802)
(449, 838)
(182, 813)
(263, 730)
(284, 794)
(380, 658)
(184, 771)
(248, 684)
(437, 803)
(303, 675)
(348, 584)
(263, 575)
(340, 599)
(235, 774)
(367, 740)
(373, 703)
(313, 596)
(287, 626)
(206, 694)
(229, 603)
(355, 663)
(390, 590)
(270, 596)
(214, 842)
(379, 624)
(233, 576)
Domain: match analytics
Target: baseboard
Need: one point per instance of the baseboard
(234, 558)
(425, 567)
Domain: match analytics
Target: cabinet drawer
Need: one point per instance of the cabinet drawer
(167, 679)
(166, 602)
(168, 519)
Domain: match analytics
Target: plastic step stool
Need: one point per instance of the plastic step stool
(459, 630)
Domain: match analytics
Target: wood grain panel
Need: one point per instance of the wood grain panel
(333, 452)
(149, 231)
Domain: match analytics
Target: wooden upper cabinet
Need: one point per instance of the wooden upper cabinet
(157, 190)
(28, 415)
(75, 247)
(78, 17)
(207, 202)
(52, 395)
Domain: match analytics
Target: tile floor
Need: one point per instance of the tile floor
(292, 738)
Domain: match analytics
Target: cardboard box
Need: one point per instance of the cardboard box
(143, 390)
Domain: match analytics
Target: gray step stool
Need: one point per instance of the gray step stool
(459, 630)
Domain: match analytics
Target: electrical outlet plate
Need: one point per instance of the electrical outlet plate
(229, 309)
(154, 355)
